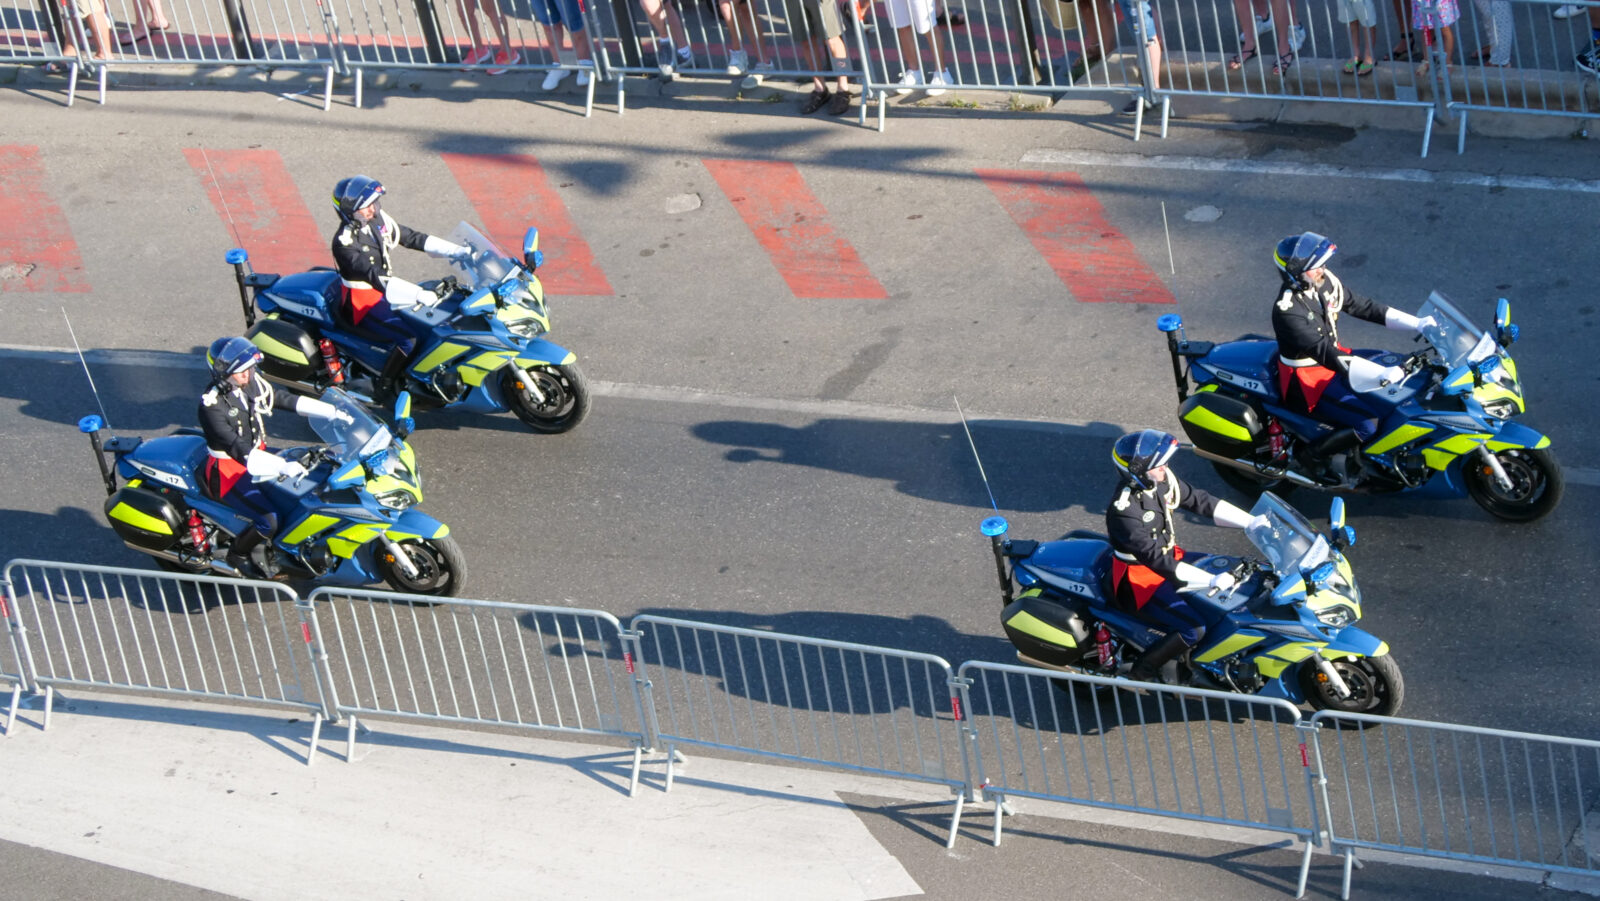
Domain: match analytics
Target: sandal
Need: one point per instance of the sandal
(1364, 69)
(1406, 51)
(1238, 60)
(956, 18)
(1285, 60)
(1351, 65)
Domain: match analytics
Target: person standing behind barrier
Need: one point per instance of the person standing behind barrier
(1589, 59)
(1406, 49)
(1143, 22)
(739, 58)
(560, 17)
(819, 25)
(1288, 35)
(1362, 19)
(904, 15)
(93, 13)
(1500, 32)
(482, 52)
(1440, 15)
(151, 18)
(669, 56)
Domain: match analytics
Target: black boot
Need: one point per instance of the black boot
(1149, 664)
(392, 377)
(239, 552)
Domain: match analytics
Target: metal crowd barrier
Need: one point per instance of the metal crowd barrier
(1186, 753)
(807, 700)
(477, 663)
(11, 675)
(105, 627)
(1459, 793)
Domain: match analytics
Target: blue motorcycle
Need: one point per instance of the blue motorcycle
(350, 520)
(1287, 629)
(480, 349)
(1446, 425)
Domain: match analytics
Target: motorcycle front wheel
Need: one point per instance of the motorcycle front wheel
(565, 392)
(441, 570)
(1536, 484)
(1375, 684)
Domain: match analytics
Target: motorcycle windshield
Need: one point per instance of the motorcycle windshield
(1288, 542)
(489, 264)
(361, 437)
(1453, 335)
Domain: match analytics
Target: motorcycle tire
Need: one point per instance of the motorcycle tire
(566, 394)
(441, 569)
(1250, 483)
(1537, 484)
(1376, 687)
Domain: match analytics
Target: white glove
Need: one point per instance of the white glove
(439, 247)
(1427, 322)
(1223, 581)
(1230, 516)
(310, 406)
(263, 465)
(1366, 375)
(1394, 375)
(292, 470)
(1399, 321)
(1259, 522)
(401, 293)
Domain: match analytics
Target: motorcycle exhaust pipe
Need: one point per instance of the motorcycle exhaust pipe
(1247, 466)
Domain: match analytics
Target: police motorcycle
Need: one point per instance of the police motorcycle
(481, 347)
(351, 519)
(1446, 429)
(1285, 630)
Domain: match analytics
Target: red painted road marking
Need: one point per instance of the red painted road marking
(777, 206)
(261, 208)
(1069, 229)
(37, 252)
(512, 193)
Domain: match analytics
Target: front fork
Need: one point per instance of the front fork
(401, 558)
(1493, 462)
(529, 384)
(1337, 681)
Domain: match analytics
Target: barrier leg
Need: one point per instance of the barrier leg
(49, 704)
(359, 83)
(101, 73)
(1166, 114)
(638, 754)
(999, 815)
(1305, 871)
(672, 758)
(588, 98)
(1461, 135)
(72, 81)
(316, 735)
(11, 716)
(622, 93)
(1349, 861)
(350, 742)
(883, 108)
(955, 820)
(1427, 133)
(327, 88)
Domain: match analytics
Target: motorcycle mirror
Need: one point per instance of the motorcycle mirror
(403, 422)
(1336, 514)
(1505, 331)
(1343, 538)
(531, 256)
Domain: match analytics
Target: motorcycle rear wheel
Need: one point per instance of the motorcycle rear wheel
(1536, 484)
(566, 393)
(441, 569)
(1376, 686)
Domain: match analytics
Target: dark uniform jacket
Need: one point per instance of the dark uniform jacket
(234, 419)
(361, 249)
(1306, 323)
(1139, 523)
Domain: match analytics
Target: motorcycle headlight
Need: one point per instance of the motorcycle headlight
(1337, 617)
(399, 499)
(525, 328)
(1501, 409)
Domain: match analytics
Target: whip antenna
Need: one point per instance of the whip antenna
(85, 363)
(975, 456)
(222, 198)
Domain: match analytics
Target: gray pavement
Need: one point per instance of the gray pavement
(759, 459)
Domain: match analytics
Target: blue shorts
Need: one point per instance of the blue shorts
(567, 13)
(1149, 19)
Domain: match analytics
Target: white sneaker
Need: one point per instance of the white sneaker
(553, 78)
(939, 78)
(757, 73)
(664, 58)
(910, 80)
(1568, 11)
(583, 72)
(738, 62)
(1297, 36)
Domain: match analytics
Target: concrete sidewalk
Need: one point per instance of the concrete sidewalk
(202, 800)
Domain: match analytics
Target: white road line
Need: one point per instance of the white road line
(848, 409)
(1077, 158)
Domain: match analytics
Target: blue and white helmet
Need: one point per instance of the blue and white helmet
(230, 356)
(1136, 453)
(355, 193)
(1298, 253)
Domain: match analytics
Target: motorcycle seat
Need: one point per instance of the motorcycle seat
(1254, 359)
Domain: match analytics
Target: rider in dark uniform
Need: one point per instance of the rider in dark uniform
(1147, 568)
(233, 413)
(361, 249)
(1313, 368)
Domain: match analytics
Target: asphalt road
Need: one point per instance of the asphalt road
(760, 459)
